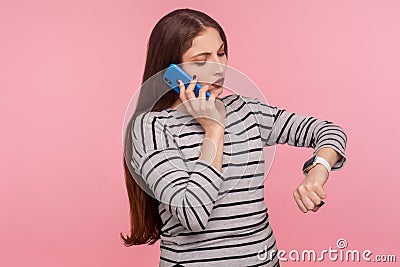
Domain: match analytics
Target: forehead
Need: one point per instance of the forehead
(207, 41)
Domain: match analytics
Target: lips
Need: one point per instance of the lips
(218, 82)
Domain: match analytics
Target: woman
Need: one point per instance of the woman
(204, 171)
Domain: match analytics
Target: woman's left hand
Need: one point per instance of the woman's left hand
(310, 192)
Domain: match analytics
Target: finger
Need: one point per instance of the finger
(320, 191)
(190, 89)
(304, 191)
(212, 95)
(299, 202)
(314, 198)
(211, 99)
(307, 202)
(202, 96)
(212, 105)
(203, 90)
(192, 100)
(317, 207)
(182, 95)
(308, 191)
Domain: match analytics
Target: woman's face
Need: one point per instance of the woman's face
(207, 59)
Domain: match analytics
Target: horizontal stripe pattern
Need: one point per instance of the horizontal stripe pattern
(212, 217)
(279, 126)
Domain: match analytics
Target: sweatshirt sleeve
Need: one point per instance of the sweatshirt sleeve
(279, 126)
(189, 189)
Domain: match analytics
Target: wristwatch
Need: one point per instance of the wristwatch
(309, 164)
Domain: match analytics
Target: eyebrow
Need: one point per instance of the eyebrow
(207, 53)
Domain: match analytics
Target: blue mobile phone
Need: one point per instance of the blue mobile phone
(173, 73)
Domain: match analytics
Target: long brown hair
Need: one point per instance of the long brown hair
(171, 37)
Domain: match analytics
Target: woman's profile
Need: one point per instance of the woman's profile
(202, 160)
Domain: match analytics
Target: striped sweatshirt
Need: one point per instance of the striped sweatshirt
(212, 217)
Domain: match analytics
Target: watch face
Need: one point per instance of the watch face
(308, 163)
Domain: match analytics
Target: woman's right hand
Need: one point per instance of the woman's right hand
(209, 113)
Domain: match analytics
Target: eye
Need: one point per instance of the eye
(221, 54)
(200, 63)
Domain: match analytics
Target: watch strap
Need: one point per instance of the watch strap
(323, 162)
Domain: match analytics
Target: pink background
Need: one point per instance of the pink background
(69, 69)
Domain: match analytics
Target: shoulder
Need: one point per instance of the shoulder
(238, 98)
(150, 129)
(254, 103)
(151, 119)
(234, 100)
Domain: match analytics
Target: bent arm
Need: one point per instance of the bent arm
(189, 189)
(279, 126)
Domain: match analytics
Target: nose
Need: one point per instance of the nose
(217, 66)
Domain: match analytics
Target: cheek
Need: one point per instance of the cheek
(192, 69)
(203, 83)
(225, 60)
(203, 78)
